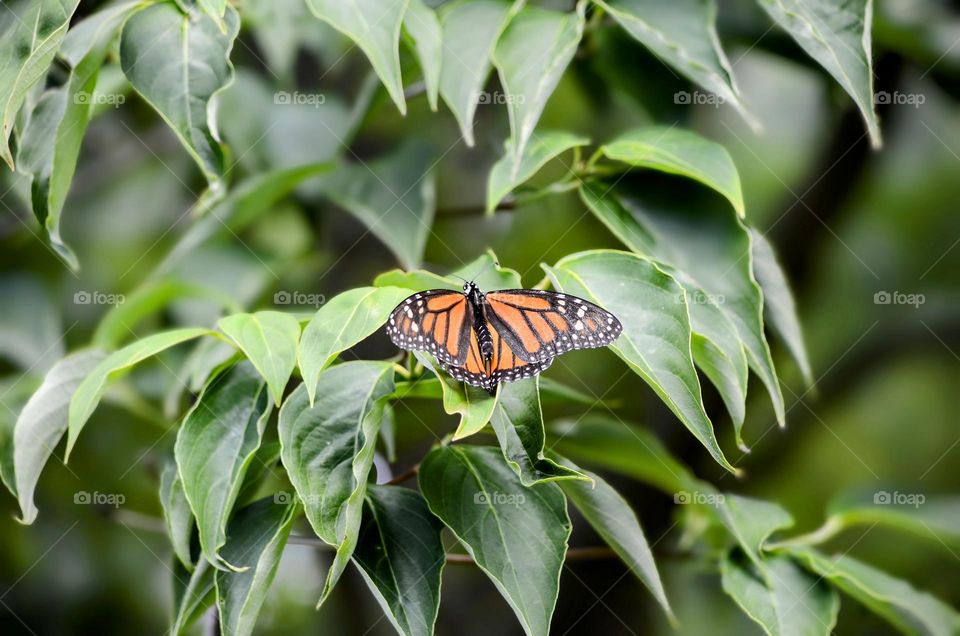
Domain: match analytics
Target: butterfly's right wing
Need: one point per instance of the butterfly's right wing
(438, 321)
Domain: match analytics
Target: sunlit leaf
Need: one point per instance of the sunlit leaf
(328, 450)
(269, 339)
(215, 445)
(517, 535)
(401, 557)
(656, 328)
(342, 322)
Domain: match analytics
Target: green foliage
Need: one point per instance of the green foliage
(294, 181)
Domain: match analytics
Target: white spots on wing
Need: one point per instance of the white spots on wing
(581, 312)
(415, 328)
(578, 325)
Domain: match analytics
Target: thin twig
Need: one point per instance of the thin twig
(404, 476)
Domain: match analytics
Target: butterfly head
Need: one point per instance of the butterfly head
(471, 291)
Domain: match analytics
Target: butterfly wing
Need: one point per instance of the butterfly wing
(539, 325)
(474, 369)
(438, 321)
(503, 365)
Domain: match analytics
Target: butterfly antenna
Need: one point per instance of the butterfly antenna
(485, 268)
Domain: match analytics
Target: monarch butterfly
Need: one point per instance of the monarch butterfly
(501, 336)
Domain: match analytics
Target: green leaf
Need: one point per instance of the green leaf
(342, 322)
(179, 63)
(374, 25)
(328, 450)
(51, 140)
(837, 35)
(423, 26)
(176, 513)
(401, 557)
(256, 538)
(778, 304)
(656, 335)
(751, 522)
(269, 339)
(530, 57)
(29, 45)
(88, 394)
(395, 197)
(42, 423)
(215, 445)
(682, 152)
(683, 34)
(787, 600)
(474, 406)
(544, 146)
(710, 246)
(193, 593)
(517, 535)
(471, 29)
(518, 423)
(615, 445)
(906, 608)
(611, 516)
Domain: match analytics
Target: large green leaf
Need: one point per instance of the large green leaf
(395, 197)
(374, 25)
(474, 405)
(27, 48)
(51, 140)
(678, 151)
(42, 422)
(471, 29)
(710, 246)
(610, 515)
(401, 557)
(177, 515)
(178, 63)
(517, 535)
(342, 322)
(544, 146)
(787, 601)
(837, 35)
(215, 445)
(87, 396)
(518, 423)
(256, 538)
(423, 26)
(269, 339)
(530, 57)
(778, 304)
(656, 335)
(683, 34)
(328, 450)
(906, 608)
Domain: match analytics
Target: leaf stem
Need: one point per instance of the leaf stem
(404, 476)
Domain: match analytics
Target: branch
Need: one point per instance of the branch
(410, 473)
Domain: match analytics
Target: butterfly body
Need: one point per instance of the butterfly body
(501, 336)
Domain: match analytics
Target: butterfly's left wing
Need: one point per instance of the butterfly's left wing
(439, 321)
(538, 325)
